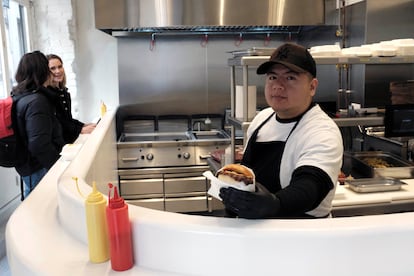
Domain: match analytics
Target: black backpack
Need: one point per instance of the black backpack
(13, 150)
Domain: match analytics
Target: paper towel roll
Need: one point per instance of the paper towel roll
(251, 105)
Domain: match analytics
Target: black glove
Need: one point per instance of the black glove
(260, 204)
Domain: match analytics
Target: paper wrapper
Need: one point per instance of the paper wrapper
(217, 184)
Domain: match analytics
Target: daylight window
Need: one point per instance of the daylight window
(14, 34)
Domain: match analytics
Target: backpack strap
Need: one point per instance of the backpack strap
(16, 98)
(22, 151)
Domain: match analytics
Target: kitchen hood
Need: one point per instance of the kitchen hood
(206, 15)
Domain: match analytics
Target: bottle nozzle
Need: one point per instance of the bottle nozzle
(116, 195)
(116, 201)
(95, 195)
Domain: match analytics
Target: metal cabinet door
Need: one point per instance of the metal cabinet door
(185, 185)
(187, 204)
(141, 187)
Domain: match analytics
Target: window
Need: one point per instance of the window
(14, 34)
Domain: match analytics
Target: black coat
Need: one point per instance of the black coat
(40, 130)
(71, 128)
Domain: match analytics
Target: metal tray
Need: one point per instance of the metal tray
(370, 185)
(395, 166)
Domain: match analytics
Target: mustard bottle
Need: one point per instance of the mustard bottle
(103, 109)
(98, 242)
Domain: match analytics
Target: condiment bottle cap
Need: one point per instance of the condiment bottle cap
(95, 195)
(116, 201)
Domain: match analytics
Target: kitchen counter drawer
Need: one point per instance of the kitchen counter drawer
(187, 204)
(185, 185)
(141, 186)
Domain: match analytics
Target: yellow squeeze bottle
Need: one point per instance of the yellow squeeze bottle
(103, 109)
(98, 241)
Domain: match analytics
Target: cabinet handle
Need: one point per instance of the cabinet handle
(130, 159)
(205, 156)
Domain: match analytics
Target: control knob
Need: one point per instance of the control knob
(186, 155)
(150, 156)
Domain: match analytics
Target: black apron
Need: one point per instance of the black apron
(264, 158)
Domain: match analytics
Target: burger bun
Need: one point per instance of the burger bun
(236, 174)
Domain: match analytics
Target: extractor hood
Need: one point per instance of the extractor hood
(206, 15)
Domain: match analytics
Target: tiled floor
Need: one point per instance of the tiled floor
(4, 267)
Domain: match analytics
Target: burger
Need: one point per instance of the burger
(231, 175)
(236, 174)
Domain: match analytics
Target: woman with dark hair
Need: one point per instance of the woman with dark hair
(71, 127)
(36, 121)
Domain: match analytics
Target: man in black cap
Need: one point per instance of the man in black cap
(293, 147)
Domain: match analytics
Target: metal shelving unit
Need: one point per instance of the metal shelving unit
(244, 62)
(257, 60)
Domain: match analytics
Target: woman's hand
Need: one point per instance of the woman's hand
(88, 128)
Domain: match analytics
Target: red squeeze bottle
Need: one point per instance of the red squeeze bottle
(119, 232)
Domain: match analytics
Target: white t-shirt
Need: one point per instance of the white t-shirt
(316, 141)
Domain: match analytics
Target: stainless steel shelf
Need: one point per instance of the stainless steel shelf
(360, 121)
(257, 60)
(375, 120)
(247, 60)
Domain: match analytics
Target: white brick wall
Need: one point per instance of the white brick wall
(67, 28)
(55, 26)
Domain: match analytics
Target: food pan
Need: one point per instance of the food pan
(381, 164)
(369, 185)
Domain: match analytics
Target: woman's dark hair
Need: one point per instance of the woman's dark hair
(32, 72)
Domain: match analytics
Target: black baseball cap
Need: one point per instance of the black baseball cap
(293, 56)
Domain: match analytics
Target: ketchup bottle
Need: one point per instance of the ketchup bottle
(119, 228)
(98, 243)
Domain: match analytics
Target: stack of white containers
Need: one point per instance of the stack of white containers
(402, 92)
(390, 48)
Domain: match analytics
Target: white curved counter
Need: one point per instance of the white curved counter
(46, 235)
